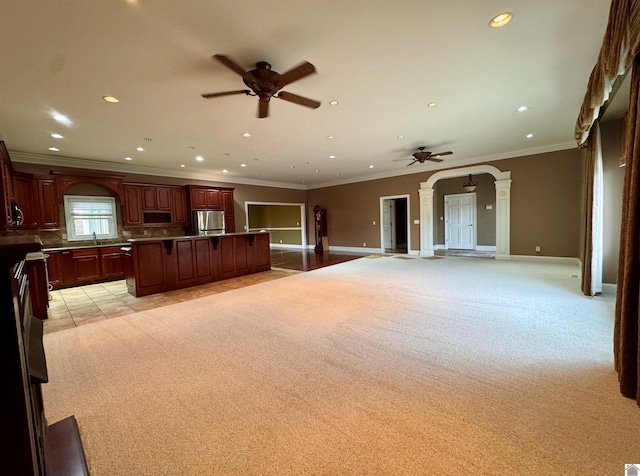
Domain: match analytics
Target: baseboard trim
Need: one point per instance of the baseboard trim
(354, 249)
(438, 247)
(485, 248)
(283, 246)
(609, 289)
(547, 259)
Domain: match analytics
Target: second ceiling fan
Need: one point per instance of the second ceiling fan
(422, 156)
(266, 83)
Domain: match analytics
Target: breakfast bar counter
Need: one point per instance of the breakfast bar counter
(163, 264)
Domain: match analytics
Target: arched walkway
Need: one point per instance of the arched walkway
(503, 206)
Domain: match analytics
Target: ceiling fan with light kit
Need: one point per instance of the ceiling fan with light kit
(422, 155)
(266, 84)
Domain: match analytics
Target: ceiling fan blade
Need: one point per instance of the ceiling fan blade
(440, 154)
(435, 160)
(229, 63)
(414, 161)
(226, 93)
(400, 160)
(294, 74)
(302, 101)
(263, 108)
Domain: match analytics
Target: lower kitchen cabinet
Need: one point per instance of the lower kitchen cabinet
(75, 267)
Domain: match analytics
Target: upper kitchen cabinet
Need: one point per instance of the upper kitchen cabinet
(24, 190)
(48, 204)
(154, 205)
(204, 198)
(132, 206)
(156, 198)
(228, 206)
(6, 183)
(179, 206)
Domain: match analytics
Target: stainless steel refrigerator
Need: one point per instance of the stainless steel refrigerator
(208, 222)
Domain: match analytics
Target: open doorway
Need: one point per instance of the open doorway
(394, 224)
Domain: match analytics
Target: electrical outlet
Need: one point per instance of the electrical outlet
(64, 236)
(364, 244)
(374, 223)
(416, 222)
(537, 249)
(164, 232)
(280, 241)
(145, 232)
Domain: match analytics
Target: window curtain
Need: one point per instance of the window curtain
(626, 337)
(593, 218)
(619, 53)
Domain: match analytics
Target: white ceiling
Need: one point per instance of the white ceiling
(382, 60)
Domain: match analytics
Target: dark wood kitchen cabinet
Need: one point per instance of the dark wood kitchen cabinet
(156, 198)
(228, 205)
(193, 261)
(24, 190)
(179, 206)
(132, 205)
(205, 198)
(86, 265)
(112, 263)
(48, 204)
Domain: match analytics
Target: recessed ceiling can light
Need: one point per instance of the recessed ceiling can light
(139, 149)
(333, 103)
(329, 137)
(317, 171)
(246, 134)
(128, 158)
(371, 166)
(292, 166)
(182, 165)
(332, 156)
(500, 20)
(62, 118)
(432, 104)
(529, 136)
(111, 99)
(337, 175)
(199, 158)
(54, 149)
(522, 109)
(225, 171)
(400, 137)
(243, 165)
(57, 136)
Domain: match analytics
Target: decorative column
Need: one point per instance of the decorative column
(426, 221)
(503, 219)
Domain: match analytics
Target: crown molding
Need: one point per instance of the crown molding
(62, 161)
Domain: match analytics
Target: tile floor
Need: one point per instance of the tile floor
(81, 305)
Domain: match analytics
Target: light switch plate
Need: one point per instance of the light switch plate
(416, 222)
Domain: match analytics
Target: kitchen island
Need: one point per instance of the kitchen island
(163, 264)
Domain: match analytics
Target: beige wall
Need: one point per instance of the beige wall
(545, 203)
(611, 135)
(485, 195)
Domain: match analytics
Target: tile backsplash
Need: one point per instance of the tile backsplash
(53, 238)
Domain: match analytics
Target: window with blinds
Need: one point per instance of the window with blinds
(88, 215)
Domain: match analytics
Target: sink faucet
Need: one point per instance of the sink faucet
(95, 241)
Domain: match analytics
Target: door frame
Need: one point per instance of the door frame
(407, 197)
(474, 213)
(303, 227)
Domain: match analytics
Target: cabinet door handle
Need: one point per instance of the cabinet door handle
(20, 219)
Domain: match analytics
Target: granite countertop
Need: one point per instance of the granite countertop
(80, 247)
(140, 240)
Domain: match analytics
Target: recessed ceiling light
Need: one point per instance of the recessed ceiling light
(225, 171)
(62, 118)
(139, 149)
(54, 149)
(333, 103)
(128, 158)
(317, 171)
(400, 137)
(243, 165)
(246, 134)
(332, 156)
(432, 104)
(329, 137)
(522, 109)
(182, 165)
(337, 175)
(529, 136)
(199, 158)
(56, 136)
(371, 166)
(500, 20)
(110, 99)
(292, 166)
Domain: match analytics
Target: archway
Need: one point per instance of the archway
(503, 207)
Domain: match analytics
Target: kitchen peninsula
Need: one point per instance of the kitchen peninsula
(158, 265)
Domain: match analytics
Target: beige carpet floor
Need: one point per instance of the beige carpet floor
(374, 366)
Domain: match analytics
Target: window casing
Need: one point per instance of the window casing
(88, 215)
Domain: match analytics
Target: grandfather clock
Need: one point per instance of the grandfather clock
(320, 220)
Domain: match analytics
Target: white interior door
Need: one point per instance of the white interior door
(460, 221)
(387, 228)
